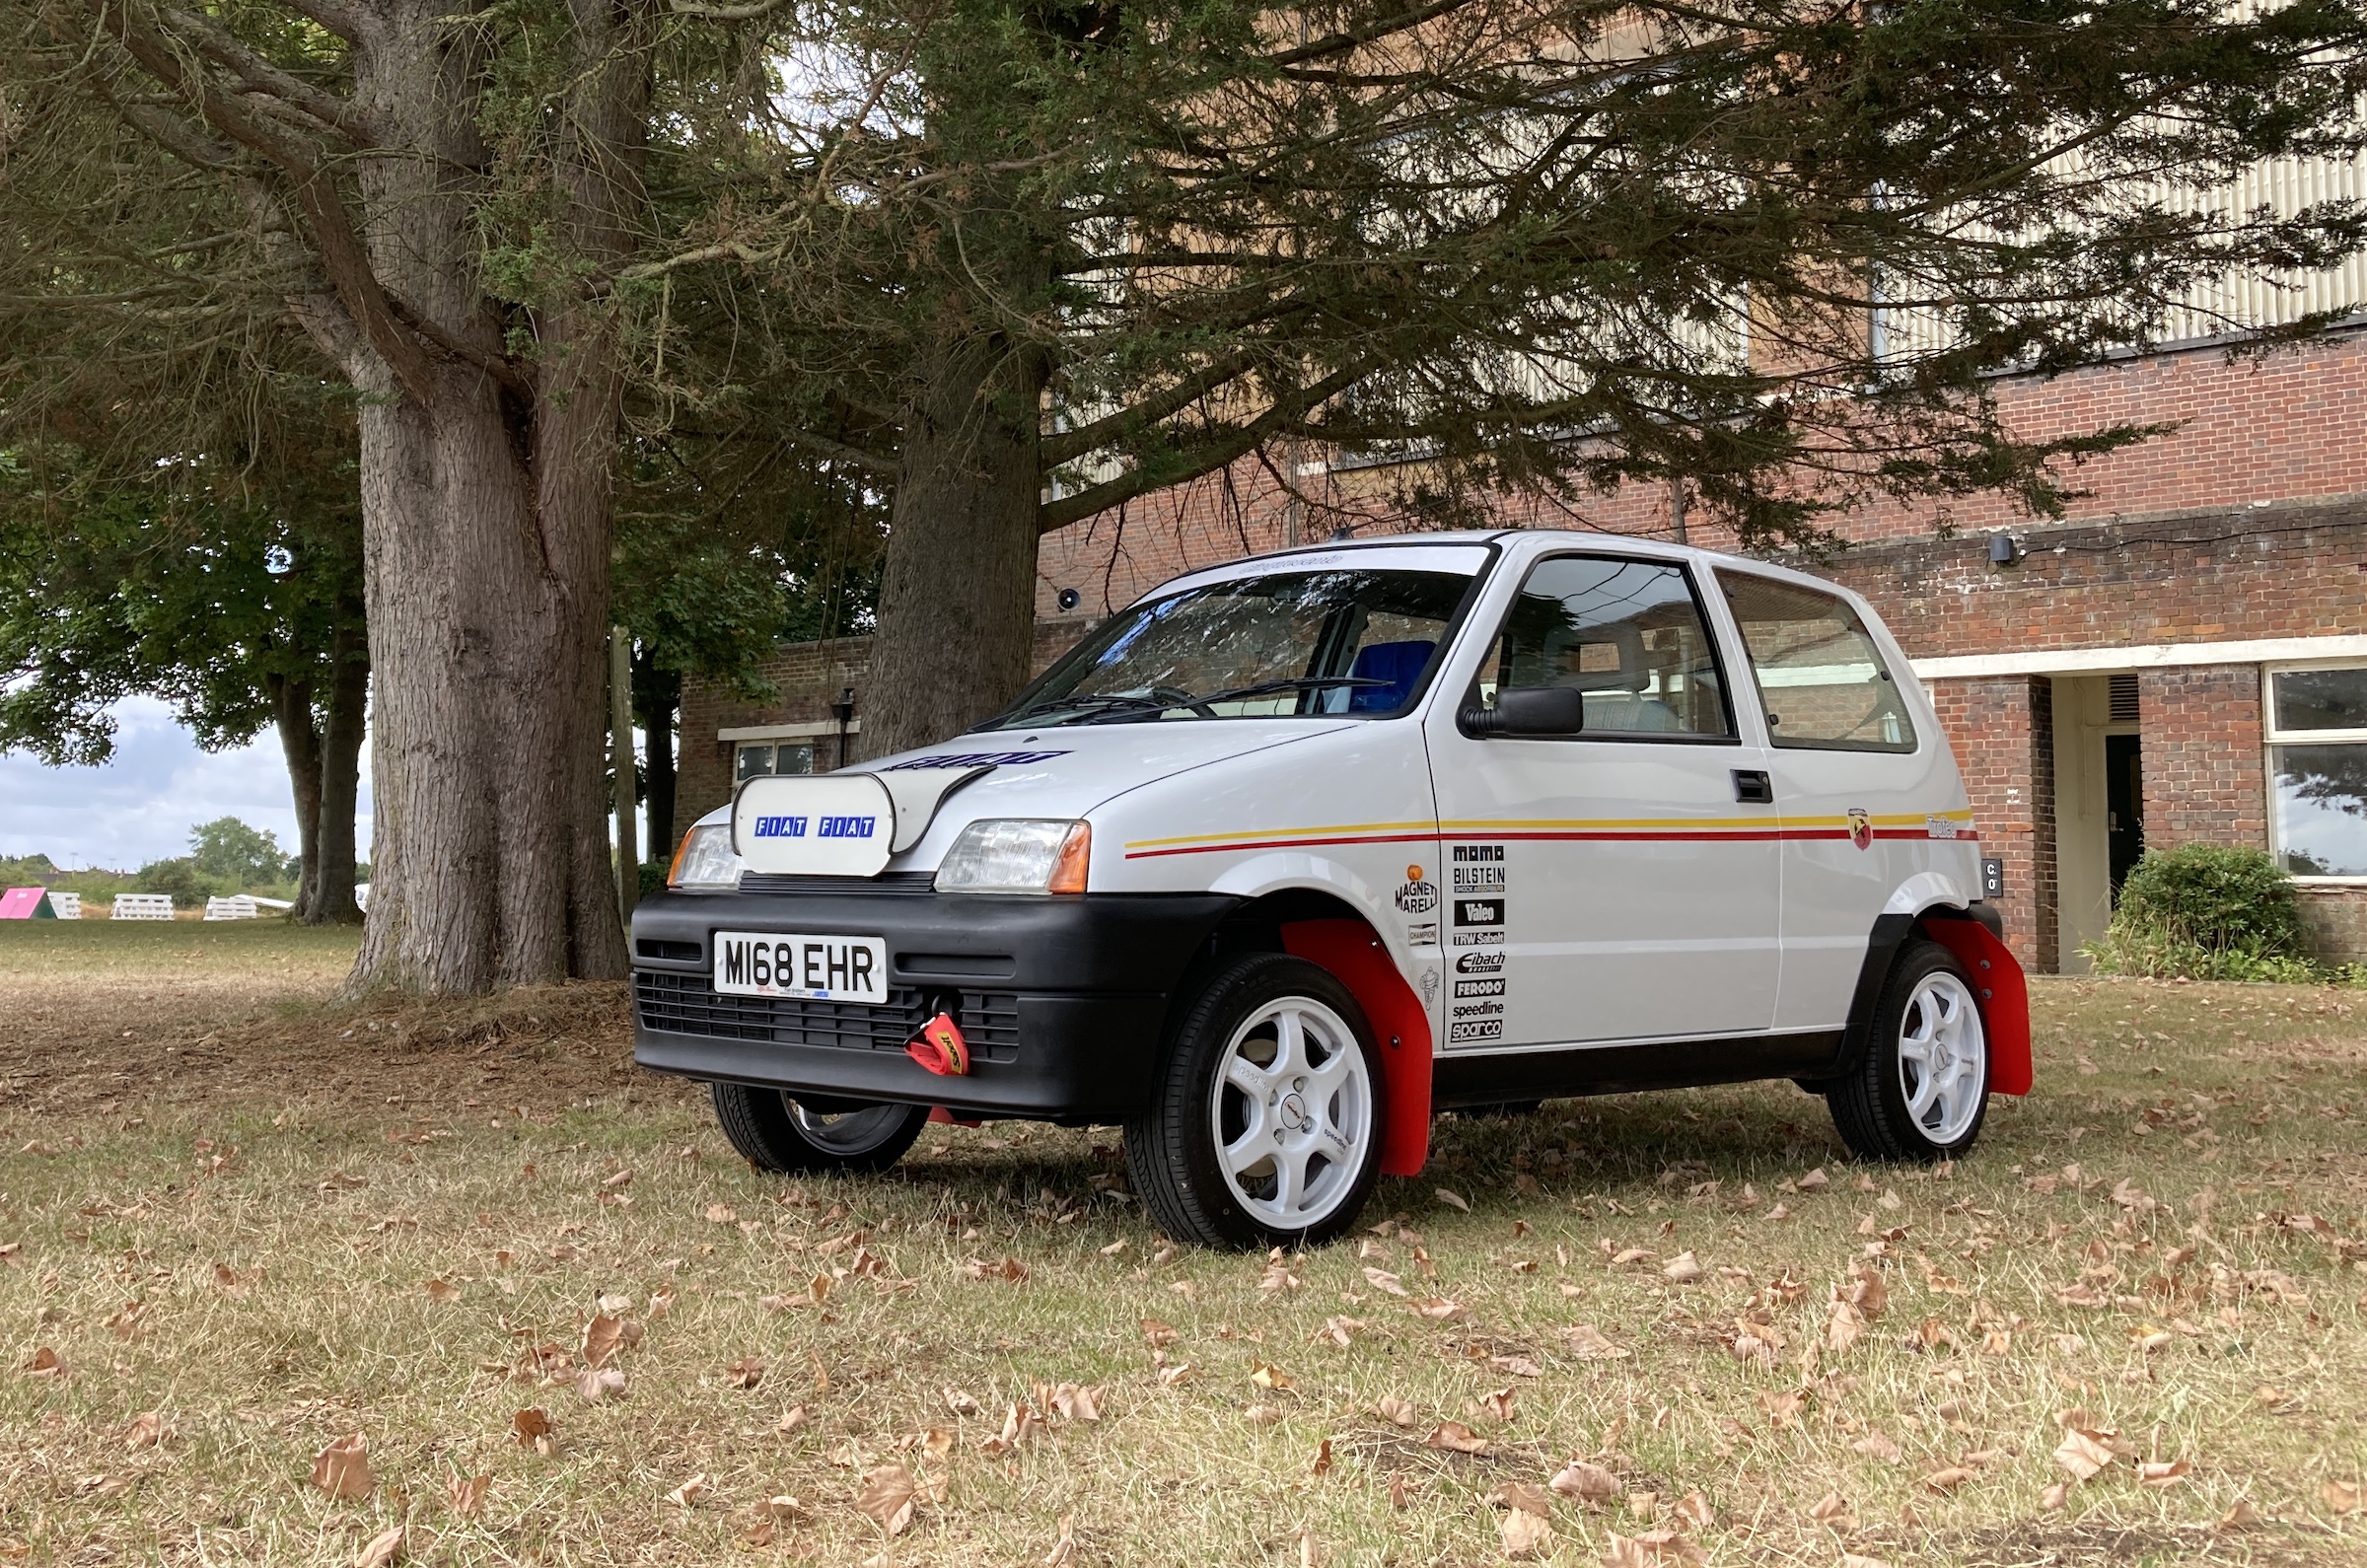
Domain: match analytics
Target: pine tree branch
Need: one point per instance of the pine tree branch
(260, 75)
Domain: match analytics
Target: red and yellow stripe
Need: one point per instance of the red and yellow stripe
(1604, 830)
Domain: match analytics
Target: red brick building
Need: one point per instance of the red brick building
(2122, 681)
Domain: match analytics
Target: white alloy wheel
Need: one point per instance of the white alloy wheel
(1943, 1058)
(1291, 1108)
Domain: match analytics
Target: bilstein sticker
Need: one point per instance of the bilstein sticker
(1478, 868)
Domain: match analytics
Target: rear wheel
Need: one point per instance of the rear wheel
(1923, 1089)
(1267, 1127)
(776, 1131)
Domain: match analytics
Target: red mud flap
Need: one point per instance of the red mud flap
(941, 1049)
(2004, 999)
(1355, 957)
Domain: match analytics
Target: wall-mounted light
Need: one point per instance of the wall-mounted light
(2003, 550)
(1068, 598)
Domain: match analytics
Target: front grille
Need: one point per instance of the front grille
(690, 1004)
(885, 881)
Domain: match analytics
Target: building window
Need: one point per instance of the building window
(2318, 769)
(756, 759)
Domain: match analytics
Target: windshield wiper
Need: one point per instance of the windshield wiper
(1136, 708)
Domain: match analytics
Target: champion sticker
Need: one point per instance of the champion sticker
(1422, 935)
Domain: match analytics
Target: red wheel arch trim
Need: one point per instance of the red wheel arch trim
(2004, 996)
(1357, 960)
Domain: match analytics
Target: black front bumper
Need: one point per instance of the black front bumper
(1063, 1000)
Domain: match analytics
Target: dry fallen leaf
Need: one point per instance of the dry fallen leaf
(691, 1491)
(1587, 1482)
(1065, 1544)
(1949, 1479)
(1457, 1438)
(1159, 1333)
(2053, 1497)
(1452, 1200)
(1684, 1268)
(381, 1550)
(1524, 1535)
(532, 1428)
(466, 1493)
(888, 1497)
(1077, 1403)
(1815, 1182)
(2163, 1473)
(1881, 1446)
(604, 1337)
(745, 1373)
(1395, 1411)
(342, 1468)
(1267, 1375)
(443, 1291)
(2241, 1516)
(1262, 1414)
(1589, 1343)
(146, 1431)
(596, 1384)
(1323, 1457)
(43, 1363)
(1383, 1280)
(2341, 1497)
(1168, 1376)
(1832, 1512)
(2085, 1451)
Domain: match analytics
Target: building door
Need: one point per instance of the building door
(2125, 805)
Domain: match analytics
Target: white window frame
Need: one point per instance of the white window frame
(2271, 738)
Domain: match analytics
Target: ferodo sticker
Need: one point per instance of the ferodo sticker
(1493, 987)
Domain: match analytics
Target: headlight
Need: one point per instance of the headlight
(1009, 855)
(705, 862)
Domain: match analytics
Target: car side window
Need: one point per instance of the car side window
(1821, 675)
(1629, 634)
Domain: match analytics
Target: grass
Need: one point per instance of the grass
(241, 1237)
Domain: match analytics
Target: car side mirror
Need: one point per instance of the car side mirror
(1532, 711)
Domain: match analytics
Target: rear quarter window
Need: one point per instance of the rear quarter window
(1822, 678)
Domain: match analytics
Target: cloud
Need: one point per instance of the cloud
(141, 806)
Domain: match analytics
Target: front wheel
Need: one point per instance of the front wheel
(1923, 1088)
(776, 1131)
(1265, 1130)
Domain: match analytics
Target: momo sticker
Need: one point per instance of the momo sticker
(1477, 868)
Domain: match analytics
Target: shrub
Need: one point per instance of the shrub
(2207, 912)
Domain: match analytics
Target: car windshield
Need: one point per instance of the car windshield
(1356, 643)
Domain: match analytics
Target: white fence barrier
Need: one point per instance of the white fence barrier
(142, 906)
(261, 903)
(65, 905)
(240, 907)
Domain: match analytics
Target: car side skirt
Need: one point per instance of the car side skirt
(1497, 1077)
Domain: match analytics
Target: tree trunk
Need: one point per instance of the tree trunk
(958, 593)
(486, 504)
(299, 738)
(331, 900)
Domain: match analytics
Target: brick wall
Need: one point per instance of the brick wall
(2204, 775)
(2000, 731)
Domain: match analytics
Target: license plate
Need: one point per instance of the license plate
(819, 968)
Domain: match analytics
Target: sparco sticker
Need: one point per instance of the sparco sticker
(1475, 1028)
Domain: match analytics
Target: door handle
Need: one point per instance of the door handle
(1753, 787)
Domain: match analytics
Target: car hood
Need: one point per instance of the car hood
(1066, 772)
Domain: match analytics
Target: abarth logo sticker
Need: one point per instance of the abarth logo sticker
(1478, 963)
(1861, 827)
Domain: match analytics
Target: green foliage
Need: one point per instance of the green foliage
(247, 858)
(2208, 912)
(181, 877)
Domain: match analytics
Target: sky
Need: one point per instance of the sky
(141, 806)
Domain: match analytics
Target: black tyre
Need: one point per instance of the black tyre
(1922, 1091)
(1265, 1126)
(776, 1131)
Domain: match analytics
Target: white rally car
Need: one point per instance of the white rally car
(1296, 850)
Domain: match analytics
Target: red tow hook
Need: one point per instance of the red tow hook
(940, 1047)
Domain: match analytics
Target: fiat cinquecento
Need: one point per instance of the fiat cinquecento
(1294, 852)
